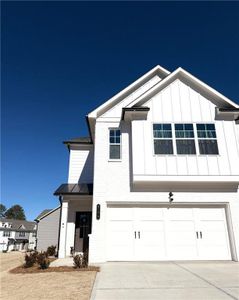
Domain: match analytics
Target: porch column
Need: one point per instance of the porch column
(63, 227)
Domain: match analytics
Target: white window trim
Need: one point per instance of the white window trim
(190, 138)
(207, 138)
(119, 144)
(155, 138)
(174, 139)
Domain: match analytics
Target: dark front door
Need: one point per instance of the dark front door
(82, 229)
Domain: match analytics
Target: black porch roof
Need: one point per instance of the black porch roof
(74, 189)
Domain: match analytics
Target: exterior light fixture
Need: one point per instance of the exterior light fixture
(97, 211)
(170, 197)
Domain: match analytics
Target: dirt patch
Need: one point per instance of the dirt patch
(36, 269)
(43, 285)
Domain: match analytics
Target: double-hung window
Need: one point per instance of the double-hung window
(185, 142)
(7, 233)
(207, 139)
(115, 143)
(21, 233)
(163, 141)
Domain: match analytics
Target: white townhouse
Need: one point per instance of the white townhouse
(17, 235)
(158, 177)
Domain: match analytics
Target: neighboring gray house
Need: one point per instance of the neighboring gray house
(48, 228)
(17, 235)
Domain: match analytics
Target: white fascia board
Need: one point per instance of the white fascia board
(48, 213)
(187, 178)
(182, 74)
(112, 101)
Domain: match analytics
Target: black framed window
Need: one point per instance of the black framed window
(115, 144)
(207, 139)
(7, 233)
(163, 141)
(22, 233)
(185, 142)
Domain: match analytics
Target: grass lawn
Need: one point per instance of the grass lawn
(43, 285)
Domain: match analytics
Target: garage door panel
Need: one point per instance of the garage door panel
(140, 233)
(180, 213)
(211, 214)
(152, 225)
(182, 253)
(120, 246)
(181, 226)
(150, 214)
(184, 238)
(211, 225)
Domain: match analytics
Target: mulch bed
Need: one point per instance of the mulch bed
(36, 269)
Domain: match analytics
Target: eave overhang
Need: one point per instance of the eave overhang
(227, 114)
(134, 113)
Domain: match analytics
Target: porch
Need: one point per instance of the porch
(75, 223)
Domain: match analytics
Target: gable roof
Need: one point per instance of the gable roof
(45, 213)
(91, 117)
(166, 79)
(190, 80)
(158, 70)
(17, 224)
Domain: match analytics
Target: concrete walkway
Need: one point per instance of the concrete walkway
(62, 262)
(167, 280)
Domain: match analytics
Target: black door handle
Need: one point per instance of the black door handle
(197, 234)
(139, 234)
(135, 234)
(201, 234)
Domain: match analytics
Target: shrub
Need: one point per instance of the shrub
(4, 251)
(30, 259)
(81, 260)
(51, 250)
(42, 260)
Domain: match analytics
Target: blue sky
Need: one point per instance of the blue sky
(60, 60)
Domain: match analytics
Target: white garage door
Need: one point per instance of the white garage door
(143, 233)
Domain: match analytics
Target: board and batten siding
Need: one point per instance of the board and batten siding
(115, 111)
(178, 103)
(81, 164)
(48, 230)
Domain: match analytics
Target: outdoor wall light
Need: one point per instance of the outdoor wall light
(170, 197)
(97, 211)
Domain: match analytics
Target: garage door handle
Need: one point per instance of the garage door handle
(135, 234)
(197, 234)
(139, 234)
(201, 234)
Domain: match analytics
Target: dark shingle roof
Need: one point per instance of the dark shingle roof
(45, 211)
(28, 226)
(79, 140)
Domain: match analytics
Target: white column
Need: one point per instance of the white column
(63, 227)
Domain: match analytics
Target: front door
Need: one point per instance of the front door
(82, 229)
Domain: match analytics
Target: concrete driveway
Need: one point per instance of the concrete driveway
(167, 280)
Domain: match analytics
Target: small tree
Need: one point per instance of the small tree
(15, 212)
(2, 210)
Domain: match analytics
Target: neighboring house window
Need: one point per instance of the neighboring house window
(207, 139)
(184, 135)
(21, 233)
(115, 144)
(7, 233)
(163, 143)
